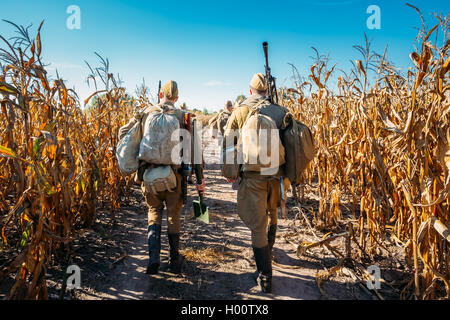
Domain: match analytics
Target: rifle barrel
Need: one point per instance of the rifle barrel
(159, 90)
(268, 75)
(265, 48)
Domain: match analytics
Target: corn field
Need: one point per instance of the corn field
(383, 142)
(387, 146)
(58, 162)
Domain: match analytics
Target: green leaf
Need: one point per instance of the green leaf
(50, 126)
(7, 151)
(51, 191)
(36, 145)
(83, 184)
(4, 87)
(25, 237)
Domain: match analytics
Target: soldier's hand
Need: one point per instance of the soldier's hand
(201, 187)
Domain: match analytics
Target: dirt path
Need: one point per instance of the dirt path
(218, 264)
(219, 259)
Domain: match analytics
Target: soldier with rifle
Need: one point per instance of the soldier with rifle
(259, 196)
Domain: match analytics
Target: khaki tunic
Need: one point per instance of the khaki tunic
(258, 196)
(172, 200)
(239, 115)
(222, 120)
(219, 121)
(213, 120)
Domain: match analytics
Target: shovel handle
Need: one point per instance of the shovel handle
(198, 173)
(283, 198)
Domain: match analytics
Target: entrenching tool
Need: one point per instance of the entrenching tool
(200, 208)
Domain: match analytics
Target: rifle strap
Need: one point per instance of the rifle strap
(254, 109)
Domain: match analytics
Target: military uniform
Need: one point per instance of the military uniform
(219, 121)
(222, 120)
(259, 196)
(156, 201)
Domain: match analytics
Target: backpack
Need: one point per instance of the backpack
(128, 150)
(157, 141)
(299, 145)
(212, 121)
(222, 121)
(259, 136)
(159, 179)
(231, 163)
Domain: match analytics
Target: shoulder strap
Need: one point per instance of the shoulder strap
(164, 108)
(254, 109)
(258, 105)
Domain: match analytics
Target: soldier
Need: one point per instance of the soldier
(156, 201)
(239, 100)
(219, 121)
(223, 117)
(259, 196)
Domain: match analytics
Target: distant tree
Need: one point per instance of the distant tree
(205, 112)
(240, 97)
(98, 99)
(94, 103)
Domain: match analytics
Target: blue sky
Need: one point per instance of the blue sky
(212, 48)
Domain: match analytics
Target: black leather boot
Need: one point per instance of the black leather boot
(264, 266)
(154, 248)
(176, 259)
(271, 236)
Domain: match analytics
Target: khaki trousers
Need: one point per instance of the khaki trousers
(172, 200)
(258, 201)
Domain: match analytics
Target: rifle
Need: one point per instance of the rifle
(271, 83)
(159, 90)
(273, 98)
(185, 169)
